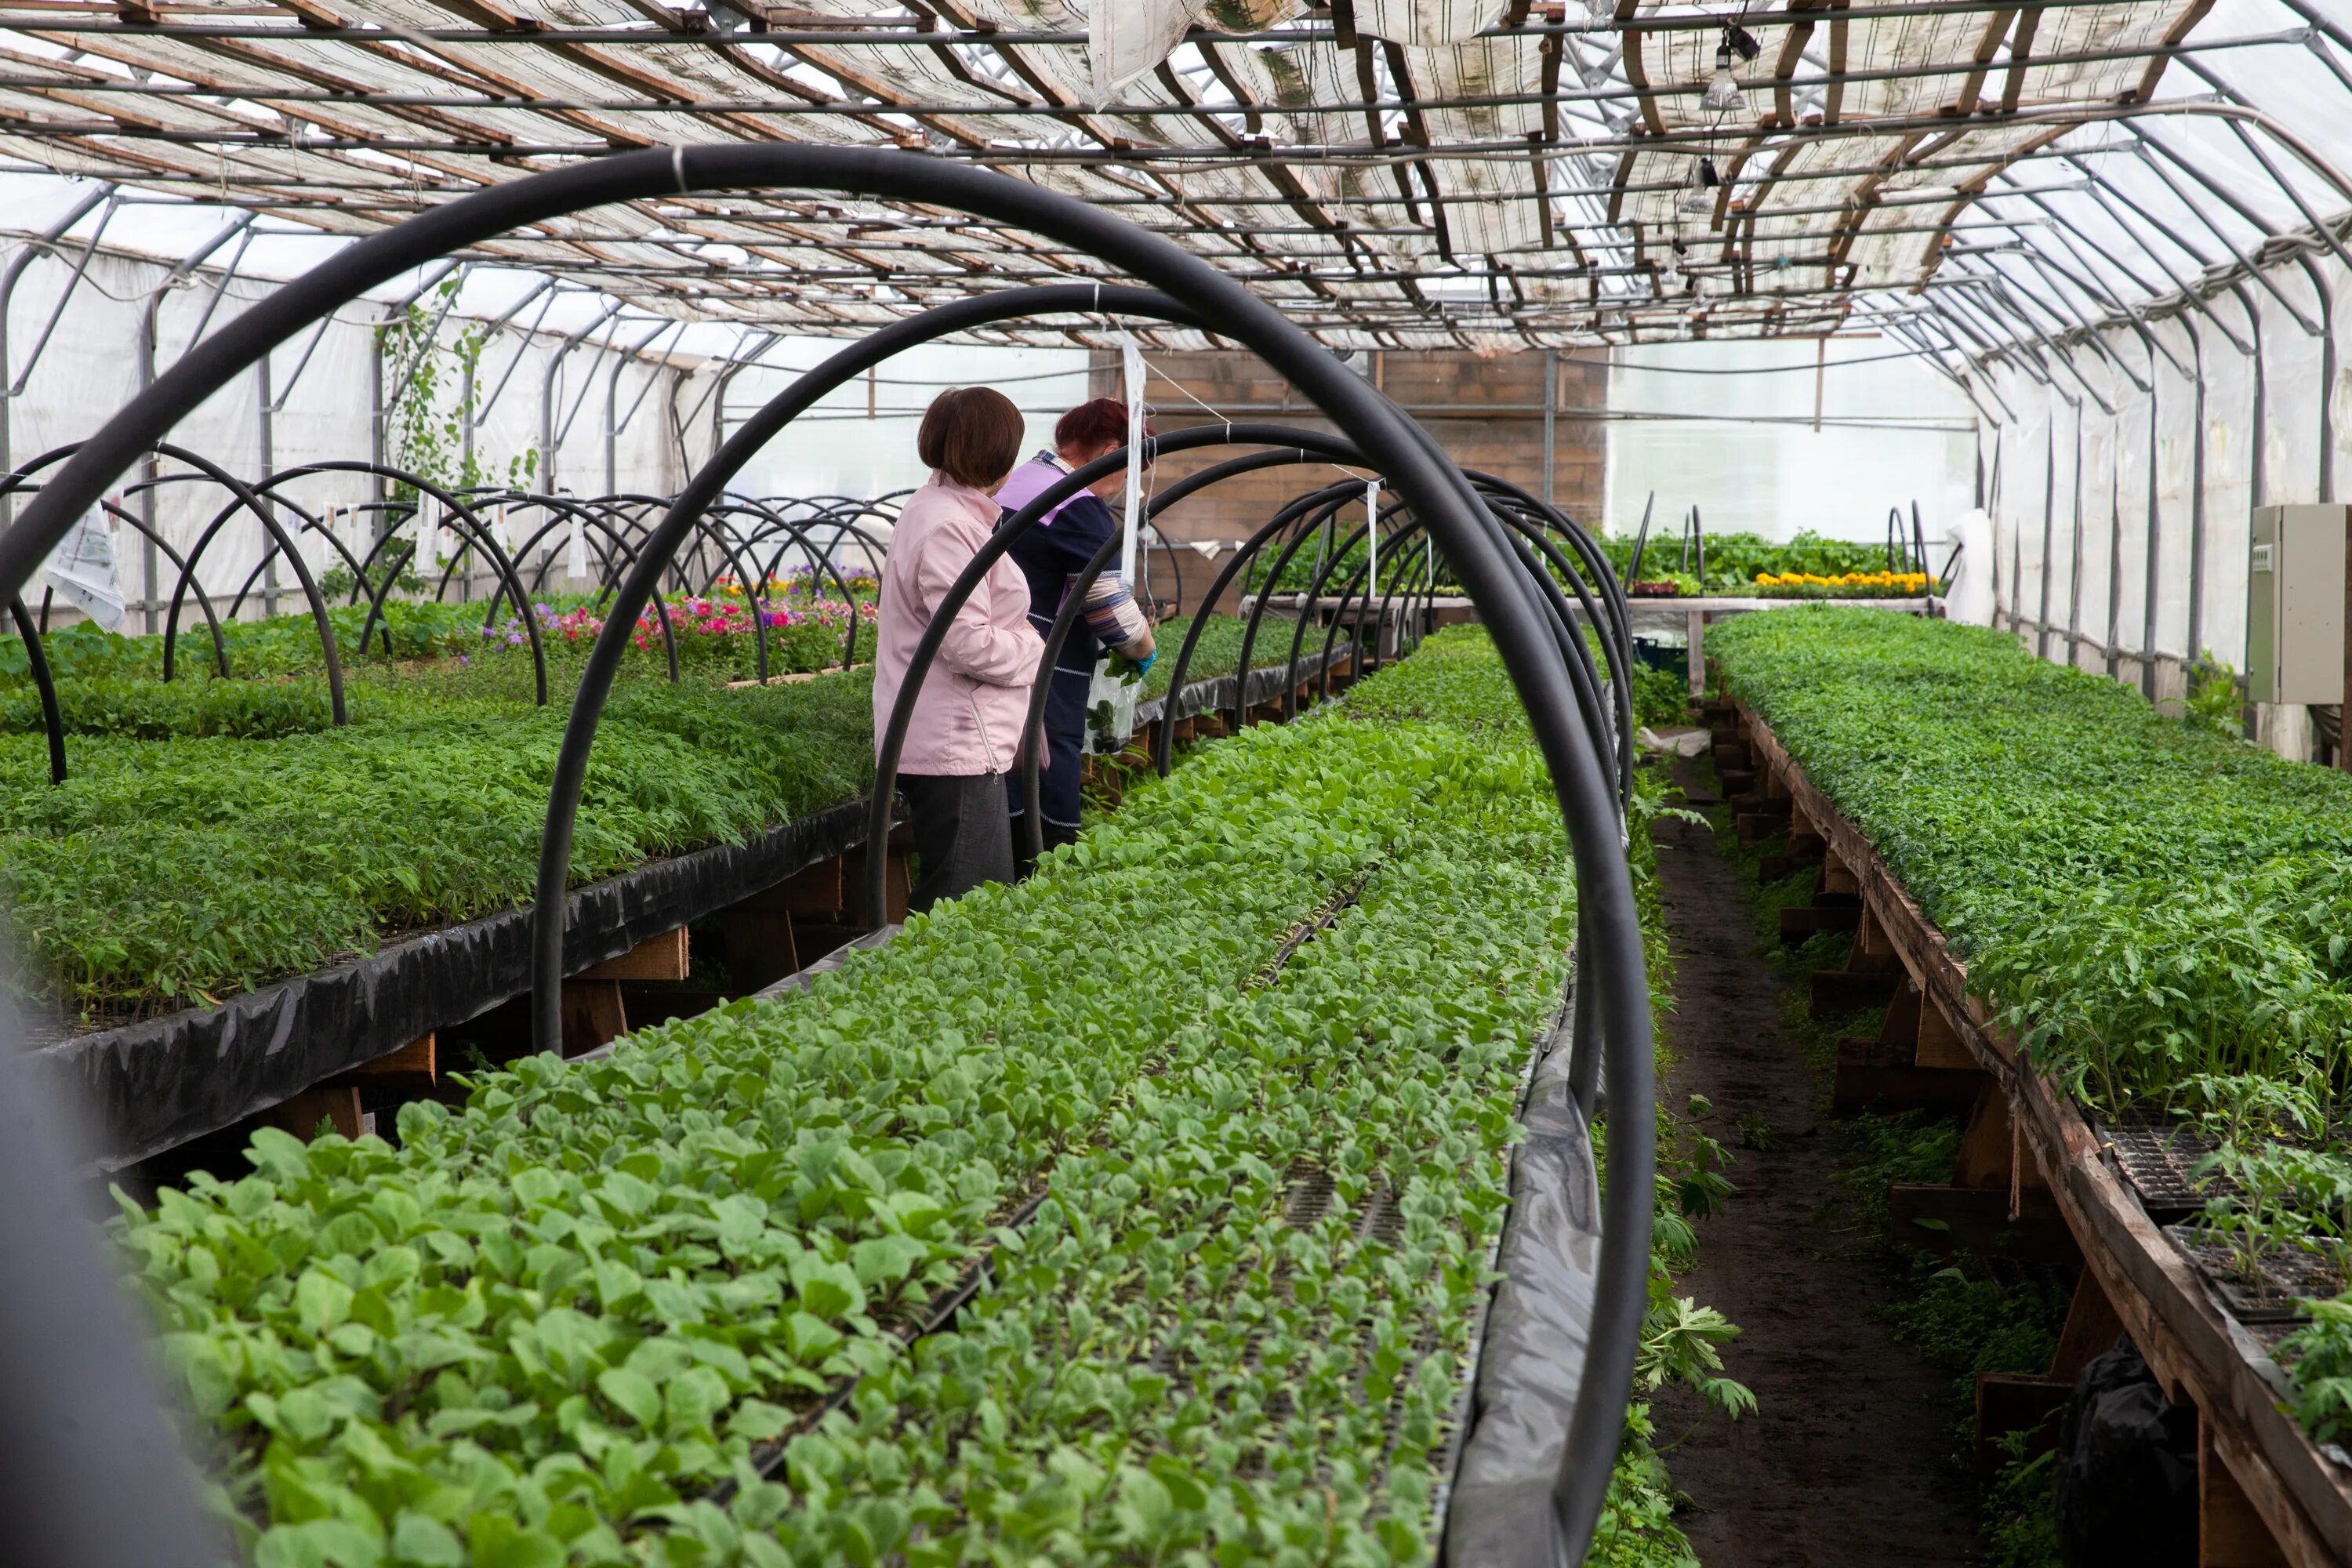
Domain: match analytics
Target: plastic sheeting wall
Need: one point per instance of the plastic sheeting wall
(92, 363)
(2071, 484)
(1729, 427)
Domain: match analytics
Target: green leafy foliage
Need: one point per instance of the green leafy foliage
(1733, 560)
(177, 863)
(556, 1326)
(203, 843)
(2146, 900)
(1219, 648)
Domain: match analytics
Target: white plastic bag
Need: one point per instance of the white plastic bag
(1110, 708)
(81, 569)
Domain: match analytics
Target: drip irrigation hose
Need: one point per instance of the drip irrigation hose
(1436, 492)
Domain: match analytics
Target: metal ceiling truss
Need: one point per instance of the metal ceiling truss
(1480, 174)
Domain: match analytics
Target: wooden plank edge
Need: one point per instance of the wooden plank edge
(2190, 1343)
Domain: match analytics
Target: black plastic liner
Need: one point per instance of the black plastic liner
(149, 1086)
(1532, 1358)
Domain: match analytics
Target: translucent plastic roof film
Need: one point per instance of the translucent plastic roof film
(1405, 174)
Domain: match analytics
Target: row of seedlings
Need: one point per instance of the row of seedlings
(1217, 1225)
(2104, 937)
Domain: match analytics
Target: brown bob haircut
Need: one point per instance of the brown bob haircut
(972, 435)
(1101, 423)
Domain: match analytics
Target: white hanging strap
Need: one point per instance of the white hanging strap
(1372, 539)
(428, 536)
(575, 555)
(1131, 366)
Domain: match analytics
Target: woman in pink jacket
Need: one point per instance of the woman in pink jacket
(965, 736)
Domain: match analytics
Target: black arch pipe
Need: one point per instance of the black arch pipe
(1163, 748)
(36, 657)
(709, 482)
(610, 547)
(455, 502)
(246, 499)
(1615, 627)
(1436, 492)
(1075, 593)
(1604, 736)
(479, 535)
(310, 524)
(53, 719)
(1423, 586)
(891, 738)
(155, 536)
(706, 532)
(1323, 572)
(745, 551)
(1316, 518)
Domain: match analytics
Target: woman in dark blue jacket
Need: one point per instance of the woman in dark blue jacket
(1050, 555)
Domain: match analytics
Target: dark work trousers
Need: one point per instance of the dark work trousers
(1058, 787)
(961, 835)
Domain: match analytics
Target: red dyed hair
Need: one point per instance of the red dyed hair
(1101, 423)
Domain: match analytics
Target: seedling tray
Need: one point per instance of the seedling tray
(2286, 1276)
(2159, 1157)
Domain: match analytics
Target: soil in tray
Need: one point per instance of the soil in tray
(1851, 1461)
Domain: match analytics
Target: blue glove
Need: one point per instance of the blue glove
(1143, 665)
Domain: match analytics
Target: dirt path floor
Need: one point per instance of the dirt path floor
(1851, 1461)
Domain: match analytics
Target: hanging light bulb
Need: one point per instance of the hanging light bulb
(1696, 201)
(1723, 95)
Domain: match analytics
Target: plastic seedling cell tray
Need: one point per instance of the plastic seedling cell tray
(2159, 1159)
(2287, 1275)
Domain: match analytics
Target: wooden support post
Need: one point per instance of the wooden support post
(1940, 1045)
(1842, 991)
(1901, 1029)
(2091, 1330)
(419, 1058)
(1835, 877)
(1989, 1146)
(1799, 921)
(2230, 1531)
(335, 1105)
(1872, 951)
(1873, 1073)
(592, 1015)
(662, 957)
(760, 946)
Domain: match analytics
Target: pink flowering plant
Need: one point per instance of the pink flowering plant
(715, 632)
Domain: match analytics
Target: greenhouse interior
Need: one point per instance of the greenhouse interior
(1176, 781)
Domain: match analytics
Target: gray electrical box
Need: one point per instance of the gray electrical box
(2295, 604)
